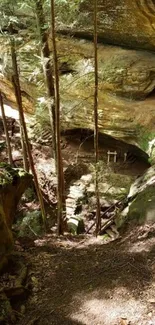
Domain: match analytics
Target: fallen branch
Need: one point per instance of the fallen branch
(110, 219)
(107, 223)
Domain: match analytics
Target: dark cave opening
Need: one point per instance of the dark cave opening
(151, 94)
(130, 158)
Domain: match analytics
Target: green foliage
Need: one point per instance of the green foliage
(76, 225)
(9, 174)
(30, 225)
(67, 11)
(42, 114)
(9, 14)
(144, 137)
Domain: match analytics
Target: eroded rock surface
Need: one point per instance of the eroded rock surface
(6, 87)
(124, 22)
(126, 78)
(130, 74)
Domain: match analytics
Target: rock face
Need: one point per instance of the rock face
(142, 207)
(130, 74)
(124, 75)
(13, 183)
(7, 90)
(125, 22)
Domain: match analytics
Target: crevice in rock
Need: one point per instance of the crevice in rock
(151, 94)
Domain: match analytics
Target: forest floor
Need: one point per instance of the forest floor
(79, 280)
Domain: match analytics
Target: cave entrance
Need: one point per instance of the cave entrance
(129, 159)
(151, 94)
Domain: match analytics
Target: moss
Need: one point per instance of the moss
(30, 225)
(142, 208)
(144, 136)
(76, 225)
(9, 174)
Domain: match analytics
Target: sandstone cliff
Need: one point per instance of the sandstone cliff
(130, 23)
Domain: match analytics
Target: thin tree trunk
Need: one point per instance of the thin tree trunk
(59, 164)
(47, 68)
(16, 84)
(23, 145)
(19, 103)
(10, 160)
(98, 215)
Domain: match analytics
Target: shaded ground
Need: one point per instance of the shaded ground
(82, 281)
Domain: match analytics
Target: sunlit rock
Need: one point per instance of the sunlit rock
(128, 23)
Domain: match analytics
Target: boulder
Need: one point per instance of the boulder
(13, 183)
(30, 225)
(141, 208)
(76, 225)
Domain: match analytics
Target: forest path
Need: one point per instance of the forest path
(81, 281)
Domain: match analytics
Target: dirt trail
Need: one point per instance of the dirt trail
(87, 283)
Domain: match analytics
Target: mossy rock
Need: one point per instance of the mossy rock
(76, 225)
(142, 209)
(13, 183)
(121, 218)
(126, 23)
(30, 225)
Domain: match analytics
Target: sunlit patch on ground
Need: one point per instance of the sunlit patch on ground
(109, 311)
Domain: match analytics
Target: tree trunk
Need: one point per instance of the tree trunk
(59, 163)
(98, 215)
(10, 160)
(47, 68)
(18, 100)
(25, 160)
(16, 84)
(19, 103)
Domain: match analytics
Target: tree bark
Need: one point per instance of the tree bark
(47, 68)
(10, 160)
(18, 99)
(59, 163)
(18, 96)
(16, 84)
(96, 149)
